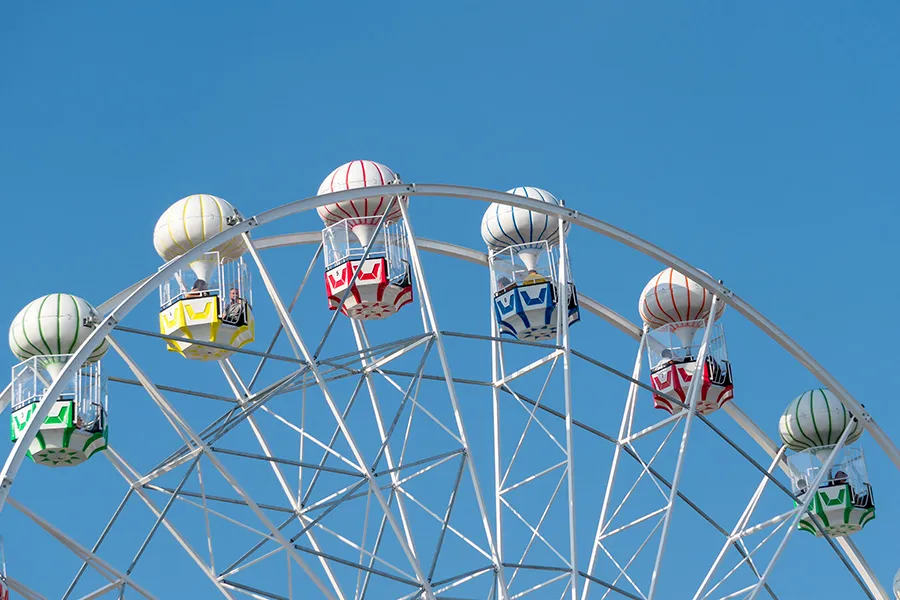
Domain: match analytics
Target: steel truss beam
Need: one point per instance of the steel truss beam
(100, 565)
(125, 301)
(300, 346)
(430, 317)
(185, 429)
(865, 573)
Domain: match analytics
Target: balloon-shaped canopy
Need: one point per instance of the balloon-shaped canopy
(503, 226)
(816, 418)
(53, 325)
(365, 212)
(671, 297)
(190, 222)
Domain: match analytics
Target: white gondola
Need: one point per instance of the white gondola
(211, 301)
(526, 296)
(673, 351)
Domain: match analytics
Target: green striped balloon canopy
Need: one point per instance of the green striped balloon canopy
(53, 326)
(816, 418)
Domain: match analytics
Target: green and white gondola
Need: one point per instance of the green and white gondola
(44, 335)
(812, 426)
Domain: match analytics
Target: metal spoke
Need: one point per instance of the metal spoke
(166, 407)
(329, 399)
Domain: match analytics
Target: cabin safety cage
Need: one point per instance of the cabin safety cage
(210, 300)
(383, 281)
(526, 290)
(77, 425)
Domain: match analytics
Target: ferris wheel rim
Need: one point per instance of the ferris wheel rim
(593, 224)
(127, 300)
(139, 291)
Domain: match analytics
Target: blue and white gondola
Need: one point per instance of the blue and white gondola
(524, 258)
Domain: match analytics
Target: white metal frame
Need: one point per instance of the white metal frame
(123, 303)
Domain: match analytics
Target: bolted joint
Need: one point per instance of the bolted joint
(235, 218)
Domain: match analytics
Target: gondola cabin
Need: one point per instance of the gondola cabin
(673, 351)
(383, 283)
(211, 301)
(76, 427)
(843, 502)
(527, 292)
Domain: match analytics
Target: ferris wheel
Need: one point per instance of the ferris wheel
(439, 421)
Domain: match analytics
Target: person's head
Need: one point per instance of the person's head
(233, 295)
(200, 284)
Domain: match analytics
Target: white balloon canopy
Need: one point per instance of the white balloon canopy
(53, 325)
(190, 222)
(503, 226)
(670, 297)
(816, 418)
(366, 212)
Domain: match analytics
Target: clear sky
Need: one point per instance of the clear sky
(756, 140)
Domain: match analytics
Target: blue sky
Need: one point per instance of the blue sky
(757, 141)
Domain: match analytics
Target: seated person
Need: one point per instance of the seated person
(533, 277)
(802, 486)
(667, 357)
(839, 478)
(504, 284)
(236, 311)
(198, 290)
(90, 422)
